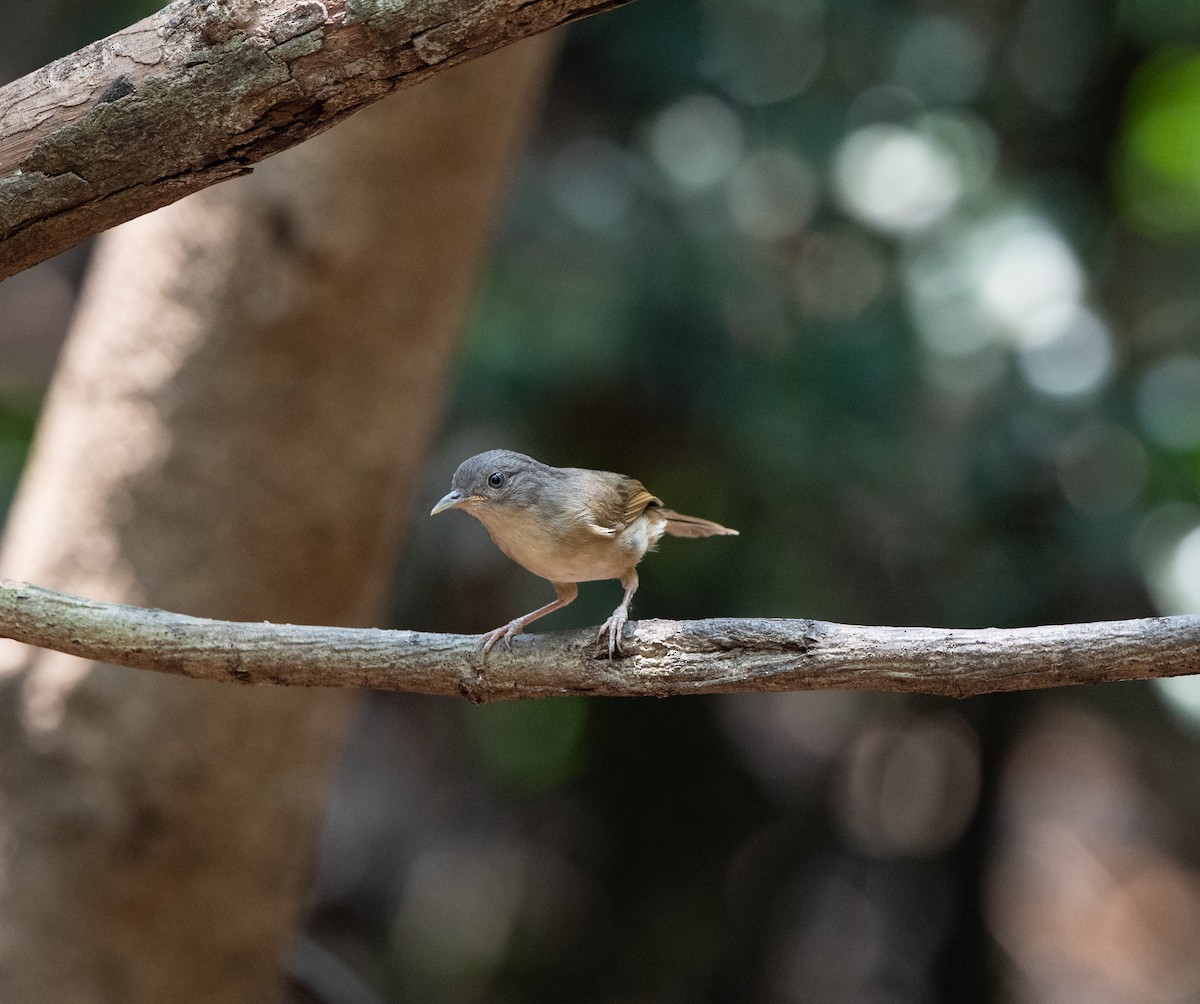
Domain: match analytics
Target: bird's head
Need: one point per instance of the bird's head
(496, 480)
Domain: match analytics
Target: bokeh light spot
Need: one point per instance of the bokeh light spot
(1101, 468)
(592, 181)
(911, 788)
(456, 915)
(1024, 267)
(1076, 360)
(942, 60)
(1184, 572)
(895, 179)
(788, 739)
(839, 273)
(765, 51)
(1168, 402)
(772, 195)
(1156, 544)
(1181, 694)
(943, 294)
(697, 141)
(971, 141)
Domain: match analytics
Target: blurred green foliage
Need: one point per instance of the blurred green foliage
(906, 292)
(1161, 177)
(529, 745)
(16, 430)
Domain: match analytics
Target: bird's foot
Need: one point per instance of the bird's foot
(613, 627)
(506, 634)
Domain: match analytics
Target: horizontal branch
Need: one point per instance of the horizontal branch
(201, 90)
(663, 658)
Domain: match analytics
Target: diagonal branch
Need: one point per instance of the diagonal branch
(664, 658)
(198, 92)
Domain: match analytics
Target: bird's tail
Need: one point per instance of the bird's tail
(679, 525)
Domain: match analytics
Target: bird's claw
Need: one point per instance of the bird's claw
(613, 628)
(506, 634)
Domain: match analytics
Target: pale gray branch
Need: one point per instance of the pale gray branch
(663, 658)
(199, 91)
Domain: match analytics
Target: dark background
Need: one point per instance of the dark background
(907, 293)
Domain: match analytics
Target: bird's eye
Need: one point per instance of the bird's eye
(496, 479)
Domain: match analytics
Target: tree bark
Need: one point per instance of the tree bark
(251, 383)
(662, 658)
(199, 91)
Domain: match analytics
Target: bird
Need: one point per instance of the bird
(567, 525)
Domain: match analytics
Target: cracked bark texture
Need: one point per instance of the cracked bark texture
(253, 377)
(199, 91)
(662, 658)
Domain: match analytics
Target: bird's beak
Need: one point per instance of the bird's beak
(451, 500)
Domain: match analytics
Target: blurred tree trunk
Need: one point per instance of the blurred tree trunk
(234, 430)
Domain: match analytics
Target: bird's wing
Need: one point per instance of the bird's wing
(616, 502)
(637, 499)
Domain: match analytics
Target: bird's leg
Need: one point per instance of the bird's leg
(567, 591)
(619, 616)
